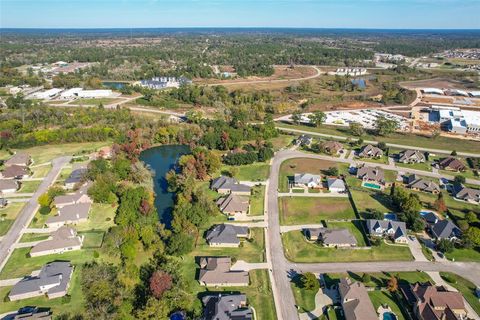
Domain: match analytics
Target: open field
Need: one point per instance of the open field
(8, 215)
(41, 171)
(436, 83)
(282, 141)
(29, 186)
(379, 279)
(365, 201)
(301, 165)
(100, 218)
(413, 140)
(30, 237)
(257, 201)
(297, 249)
(304, 298)
(303, 210)
(257, 171)
(46, 153)
(94, 101)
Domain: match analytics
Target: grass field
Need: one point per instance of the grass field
(304, 210)
(465, 287)
(301, 165)
(281, 141)
(46, 153)
(94, 101)
(258, 171)
(8, 215)
(397, 138)
(41, 171)
(29, 186)
(425, 166)
(100, 218)
(74, 304)
(464, 254)
(304, 298)
(257, 201)
(380, 297)
(365, 201)
(30, 237)
(297, 249)
(379, 279)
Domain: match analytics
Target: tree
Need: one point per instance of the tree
(332, 171)
(471, 217)
(356, 129)
(453, 153)
(472, 236)
(376, 214)
(159, 283)
(296, 117)
(439, 204)
(310, 282)
(44, 200)
(459, 179)
(392, 284)
(382, 145)
(317, 118)
(386, 126)
(463, 225)
(366, 278)
(445, 245)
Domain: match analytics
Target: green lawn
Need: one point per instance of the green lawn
(464, 254)
(382, 160)
(100, 218)
(93, 101)
(41, 171)
(355, 227)
(282, 141)
(74, 303)
(366, 201)
(379, 279)
(8, 216)
(465, 287)
(297, 249)
(29, 186)
(93, 239)
(46, 153)
(30, 237)
(425, 166)
(304, 298)
(257, 171)
(305, 210)
(301, 165)
(257, 201)
(396, 138)
(380, 297)
(252, 250)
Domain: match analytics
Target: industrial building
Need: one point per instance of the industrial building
(46, 95)
(164, 82)
(456, 120)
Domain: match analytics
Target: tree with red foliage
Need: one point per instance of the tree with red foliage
(145, 207)
(439, 204)
(135, 144)
(159, 283)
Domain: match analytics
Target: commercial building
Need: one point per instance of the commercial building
(456, 120)
(45, 95)
(165, 82)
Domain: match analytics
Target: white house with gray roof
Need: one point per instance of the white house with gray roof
(70, 214)
(53, 281)
(79, 197)
(64, 239)
(307, 180)
(411, 156)
(9, 185)
(396, 230)
(226, 307)
(226, 235)
(467, 194)
(215, 272)
(370, 151)
(225, 185)
(336, 185)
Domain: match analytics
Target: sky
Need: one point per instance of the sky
(384, 14)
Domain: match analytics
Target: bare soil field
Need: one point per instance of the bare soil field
(438, 83)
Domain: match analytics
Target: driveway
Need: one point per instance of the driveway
(28, 211)
(416, 249)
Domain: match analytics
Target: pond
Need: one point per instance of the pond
(161, 160)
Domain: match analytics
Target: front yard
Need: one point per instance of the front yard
(301, 165)
(305, 210)
(297, 249)
(8, 216)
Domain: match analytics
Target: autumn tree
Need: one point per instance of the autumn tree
(392, 284)
(159, 283)
(439, 204)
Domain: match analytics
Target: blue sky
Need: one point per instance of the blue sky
(395, 14)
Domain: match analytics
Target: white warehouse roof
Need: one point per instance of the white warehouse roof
(94, 93)
(433, 90)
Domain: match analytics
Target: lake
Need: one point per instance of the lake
(114, 85)
(161, 160)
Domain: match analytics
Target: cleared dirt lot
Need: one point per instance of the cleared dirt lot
(438, 83)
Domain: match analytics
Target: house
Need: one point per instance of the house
(76, 176)
(445, 229)
(466, 194)
(15, 172)
(78, 197)
(355, 301)
(8, 185)
(307, 180)
(235, 207)
(396, 230)
(332, 147)
(215, 272)
(336, 185)
(419, 184)
(19, 159)
(431, 302)
(62, 240)
(370, 151)
(226, 307)
(371, 174)
(332, 238)
(70, 214)
(31, 313)
(53, 280)
(451, 164)
(226, 235)
(3, 202)
(411, 156)
(304, 140)
(224, 185)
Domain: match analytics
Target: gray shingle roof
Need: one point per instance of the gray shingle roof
(411, 156)
(64, 237)
(214, 270)
(228, 183)
(233, 203)
(371, 174)
(56, 273)
(385, 225)
(338, 237)
(355, 301)
(77, 175)
(226, 307)
(335, 183)
(8, 184)
(306, 178)
(226, 233)
(468, 194)
(422, 184)
(445, 229)
(370, 151)
(72, 212)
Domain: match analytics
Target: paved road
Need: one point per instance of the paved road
(28, 211)
(393, 145)
(281, 268)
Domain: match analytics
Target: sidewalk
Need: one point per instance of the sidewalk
(314, 195)
(284, 229)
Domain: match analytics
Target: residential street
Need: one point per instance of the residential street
(281, 268)
(28, 211)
